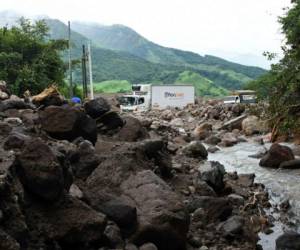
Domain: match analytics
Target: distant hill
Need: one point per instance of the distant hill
(119, 37)
(120, 53)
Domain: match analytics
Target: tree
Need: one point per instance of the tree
(281, 86)
(29, 60)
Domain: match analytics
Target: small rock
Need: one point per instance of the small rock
(213, 149)
(212, 173)
(177, 122)
(13, 120)
(232, 226)
(236, 199)
(15, 141)
(113, 234)
(130, 246)
(75, 191)
(148, 246)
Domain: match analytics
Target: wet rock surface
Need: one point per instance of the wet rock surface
(90, 178)
(277, 154)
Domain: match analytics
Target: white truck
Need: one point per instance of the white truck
(149, 96)
(241, 96)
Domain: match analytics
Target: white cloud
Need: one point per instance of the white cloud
(203, 26)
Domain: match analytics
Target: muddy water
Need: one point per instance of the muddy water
(281, 184)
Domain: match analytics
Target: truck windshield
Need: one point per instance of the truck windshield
(127, 100)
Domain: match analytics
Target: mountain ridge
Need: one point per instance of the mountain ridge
(120, 53)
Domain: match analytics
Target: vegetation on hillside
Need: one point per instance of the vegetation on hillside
(27, 60)
(120, 53)
(203, 86)
(281, 86)
(113, 86)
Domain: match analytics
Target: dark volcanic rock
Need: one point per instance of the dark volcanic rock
(40, 171)
(288, 241)
(5, 128)
(292, 164)
(132, 130)
(71, 223)
(162, 218)
(124, 215)
(195, 149)
(113, 235)
(212, 173)
(215, 208)
(68, 123)
(213, 140)
(15, 141)
(276, 155)
(84, 160)
(97, 107)
(7, 242)
(232, 226)
(109, 123)
(14, 104)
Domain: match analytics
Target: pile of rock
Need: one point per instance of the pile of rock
(85, 177)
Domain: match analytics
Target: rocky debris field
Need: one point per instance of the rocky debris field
(84, 177)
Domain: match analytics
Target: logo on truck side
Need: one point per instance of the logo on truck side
(174, 95)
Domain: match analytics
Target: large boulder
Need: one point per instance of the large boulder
(212, 173)
(84, 160)
(109, 123)
(15, 103)
(215, 209)
(229, 139)
(276, 155)
(132, 130)
(252, 125)
(97, 107)
(195, 149)
(288, 241)
(71, 223)
(68, 123)
(162, 218)
(39, 170)
(202, 131)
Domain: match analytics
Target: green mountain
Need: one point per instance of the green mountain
(120, 53)
(122, 38)
(203, 86)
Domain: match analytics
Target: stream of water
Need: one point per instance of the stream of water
(281, 184)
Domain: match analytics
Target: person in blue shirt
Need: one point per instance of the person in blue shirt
(76, 100)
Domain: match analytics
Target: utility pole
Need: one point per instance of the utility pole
(90, 71)
(84, 76)
(70, 60)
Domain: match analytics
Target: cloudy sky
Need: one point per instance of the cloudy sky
(239, 30)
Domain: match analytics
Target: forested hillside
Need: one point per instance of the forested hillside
(120, 53)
